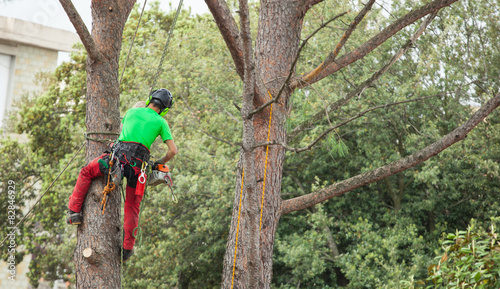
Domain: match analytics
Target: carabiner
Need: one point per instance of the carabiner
(142, 178)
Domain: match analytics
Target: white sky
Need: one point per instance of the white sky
(50, 12)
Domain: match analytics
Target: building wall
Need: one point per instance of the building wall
(26, 49)
(21, 281)
(31, 60)
(26, 62)
(32, 48)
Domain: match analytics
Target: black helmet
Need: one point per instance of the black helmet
(165, 97)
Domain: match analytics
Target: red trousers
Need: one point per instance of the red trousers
(132, 202)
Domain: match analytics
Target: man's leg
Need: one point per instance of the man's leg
(131, 218)
(89, 172)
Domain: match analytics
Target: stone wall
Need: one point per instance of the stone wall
(29, 61)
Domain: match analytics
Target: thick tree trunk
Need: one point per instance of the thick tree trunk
(101, 233)
(273, 61)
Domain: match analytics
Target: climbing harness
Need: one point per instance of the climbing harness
(263, 192)
(123, 153)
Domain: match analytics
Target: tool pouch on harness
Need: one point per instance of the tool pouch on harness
(115, 170)
(116, 173)
(131, 153)
(141, 183)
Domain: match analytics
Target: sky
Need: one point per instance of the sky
(50, 12)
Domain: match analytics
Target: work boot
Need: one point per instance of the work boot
(74, 218)
(127, 254)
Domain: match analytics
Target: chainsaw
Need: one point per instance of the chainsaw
(160, 174)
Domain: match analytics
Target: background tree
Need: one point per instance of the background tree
(266, 69)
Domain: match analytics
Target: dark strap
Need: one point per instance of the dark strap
(128, 152)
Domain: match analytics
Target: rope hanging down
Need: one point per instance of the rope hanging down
(157, 74)
(263, 192)
(132, 42)
(43, 194)
(238, 227)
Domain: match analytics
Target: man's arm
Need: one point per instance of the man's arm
(172, 150)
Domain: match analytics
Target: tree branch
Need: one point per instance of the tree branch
(359, 90)
(81, 29)
(331, 128)
(290, 73)
(229, 30)
(331, 57)
(310, 3)
(325, 69)
(393, 168)
(201, 127)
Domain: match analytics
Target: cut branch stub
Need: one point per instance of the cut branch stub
(91, 255)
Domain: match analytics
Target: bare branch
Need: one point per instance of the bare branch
(359, 90)
(81, 29)
(310, 3)
(393, 168)
(200, 126)
(331, 57)
(229, 30)
(331, 128)
(323, 70)
(275, 99)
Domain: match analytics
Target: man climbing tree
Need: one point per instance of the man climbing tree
(141, 126)
(268, 71)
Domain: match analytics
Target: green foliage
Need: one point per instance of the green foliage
(471, 259)
(377, 236)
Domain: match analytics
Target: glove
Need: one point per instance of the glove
(158, 162)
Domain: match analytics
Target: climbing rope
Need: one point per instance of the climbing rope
(265, 166)
(86, 135)
(43, 194)
(132, 42)
(263, 192)
(157, 74)
(110, 186)
(238, 227)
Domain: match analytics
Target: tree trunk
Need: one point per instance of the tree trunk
(273, 62)
(100, 232)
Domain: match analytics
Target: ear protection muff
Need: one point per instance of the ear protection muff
(164, 111)
(150, 96)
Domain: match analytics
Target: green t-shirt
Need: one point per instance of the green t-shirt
(144, 125)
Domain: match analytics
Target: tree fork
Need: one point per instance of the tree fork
(100, 268)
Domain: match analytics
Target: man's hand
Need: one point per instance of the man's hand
(158, 162)
(172, 150)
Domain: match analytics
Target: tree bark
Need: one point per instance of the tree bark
(101, 232)
(283, 24)
(277, 42)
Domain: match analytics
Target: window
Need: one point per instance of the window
(5, 79)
